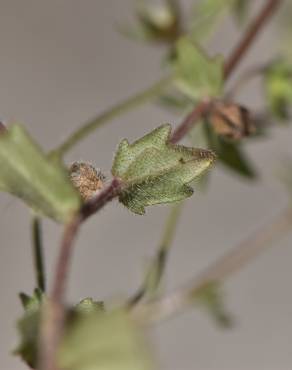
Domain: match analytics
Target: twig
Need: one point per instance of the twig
(236, 56)
(36, 229)
(250, 36)
(155, 273)
(54, 314)
(111, 113)
(221, 269)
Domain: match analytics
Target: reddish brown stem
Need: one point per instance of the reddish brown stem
(200, 110)
(236, 56)
(54, 315)
(250, 36)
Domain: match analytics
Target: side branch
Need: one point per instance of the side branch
(250, 36)
(236, 56)
(221, 269)
(126, 105)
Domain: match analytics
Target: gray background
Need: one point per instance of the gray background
(61, 63)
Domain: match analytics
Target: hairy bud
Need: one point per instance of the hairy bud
(86, 179)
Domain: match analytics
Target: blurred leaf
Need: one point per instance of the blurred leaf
(100, 341)
(230, 154)
(241, 8)
(28, 327)
(155, 171)
(29, 323)
(278, 86)
(31, 303)
(159, 23)
(210, 298)
(27, 173)
(176, 102)
(206, 16)
(197, 76)
(88, 305)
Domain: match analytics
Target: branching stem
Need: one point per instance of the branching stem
(236, 56)
(53, 322)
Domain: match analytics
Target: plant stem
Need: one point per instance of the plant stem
(222, 268)
(236, 56)
(250, 36)
(36, 228)
(52, 326)
(115, 111)
(156, 269)
(53, 320)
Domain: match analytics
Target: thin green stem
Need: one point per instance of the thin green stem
(38, 258)
(156, 269)
(115, 111)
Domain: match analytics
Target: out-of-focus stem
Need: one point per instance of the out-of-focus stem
(156, 269)
(36, 229)
(220, 270)
(115, 111)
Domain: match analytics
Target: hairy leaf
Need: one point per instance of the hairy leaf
(27, 173)
(198, 76)
(100, 341)
(155, 171)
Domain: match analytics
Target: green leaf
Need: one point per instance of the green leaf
(155, 171)
(158, 23)
(206, 16)
(88, 305)
(210, 298)
(28, 327)
(230, 154)
(104, 341)
(29, 324)
(27, 173)
(278, 87)
(198, 76)
(31, 303)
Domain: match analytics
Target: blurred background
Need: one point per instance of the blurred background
(62, 62)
